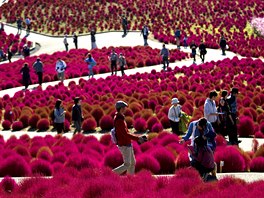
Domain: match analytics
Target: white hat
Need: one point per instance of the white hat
(120, 104)
(174, 101)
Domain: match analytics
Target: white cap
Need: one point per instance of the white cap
(120, 104)
(174, 101)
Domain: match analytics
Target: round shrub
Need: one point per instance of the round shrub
(165, 159)
(233, 160)
(157, 127)
(113, 158)
(80, 162)
(33, 120)
(105, 140)
(106, 122)
(6, 124)
(43, 124)
(25, 120)
(14, 166)
(258, 134)
(17, 126)
(8, 184)
(89, 124)
(147, 162)
(257, 164)
(59, 157)
(165, 122)
(182, 160)
(130, 121)
(140, 125)
(97, 113)
(41, 167)
(151, 121)
(245, 127)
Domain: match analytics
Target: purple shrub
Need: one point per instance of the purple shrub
(165, 159)
(182, 160)
(140, 125)
(106, 122)
(59, 157)
(113, 158)
(97, 113)
(165, 122)
(106, 140)
(14, 166)
(6, 124)
(257, 164)
(167, 138)
(233, 159)
(245, 127)
(146, 146)
(220, 140)
(79, 162)
(8, 184)
(157, 127)
(41, 167)
(25, 120)
(130, 121)
(89, 124)
(17, 126)
(43, 124)
(147, 162)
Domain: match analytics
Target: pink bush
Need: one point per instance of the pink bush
(6, 124)
(17, 126)
(43, 124)
(106, 122)
(89, 124)
(257, 164)
(33, 120)
(41, 167)
(113, 158)
(245, 127)
(140, 124)
(146, 162)
(8, 184)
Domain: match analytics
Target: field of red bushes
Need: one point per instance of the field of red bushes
(76, 67)
(198, 19)
(148, 96)
(87, 162)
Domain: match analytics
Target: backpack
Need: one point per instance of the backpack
(113, 135)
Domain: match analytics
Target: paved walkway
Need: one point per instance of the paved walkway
(50, 45)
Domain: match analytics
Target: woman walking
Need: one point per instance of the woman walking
(25, 75)
(59, 117)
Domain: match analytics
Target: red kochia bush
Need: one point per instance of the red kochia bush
(106, 122)
(89, 124)
(8, 184)
(147, 162)
(245, 126)
(6, 124)
(41, 167)
(17, 126)
(43, 124)
(140, 124)
(33, 120)
(113, 158)
(165, 159)
(233, 159)
(14, 166)
(257, 164)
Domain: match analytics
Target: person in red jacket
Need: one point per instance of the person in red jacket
(124, 139)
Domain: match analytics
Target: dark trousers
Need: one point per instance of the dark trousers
(76, 45)
(165, 60)
(145, 40)
(77, 125)
(202, 55)
(223, 51)
(200, 168)
(125, 29)
(175, 127)
(59, 127)
(66, 47)
(122, 68)
(193, 55)
(113, 67)
(39, 77)
(232, 130)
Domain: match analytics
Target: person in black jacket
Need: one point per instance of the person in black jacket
(223, 44)
(193, 47)
(75, 40)
(93, 40)
(124, 25)
(203, 51)
(77, 115)
(25, 75)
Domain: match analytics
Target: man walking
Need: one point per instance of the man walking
(77, 115)
(38, 67)
(122, 63)
(210, 111)
(145, 33)
(124, 25)
(165, 57)
(113, 59)
(65, 42)
(60, 69)
(124, 138)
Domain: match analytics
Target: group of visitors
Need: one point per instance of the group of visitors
(20, 25)
(117, 60)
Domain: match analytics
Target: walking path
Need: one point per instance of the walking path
(50, 45)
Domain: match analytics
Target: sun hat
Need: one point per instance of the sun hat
(120, 104)
(174, 101)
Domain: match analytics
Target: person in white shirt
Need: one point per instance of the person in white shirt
(60, 69)
(210, 110)
(66, 42)
(174, 115)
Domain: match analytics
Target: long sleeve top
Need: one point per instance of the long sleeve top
(60, 66)
(76, 113)
(194, 132)
(174, 113)
(122, 134)
(210, 107)
(59, 115)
